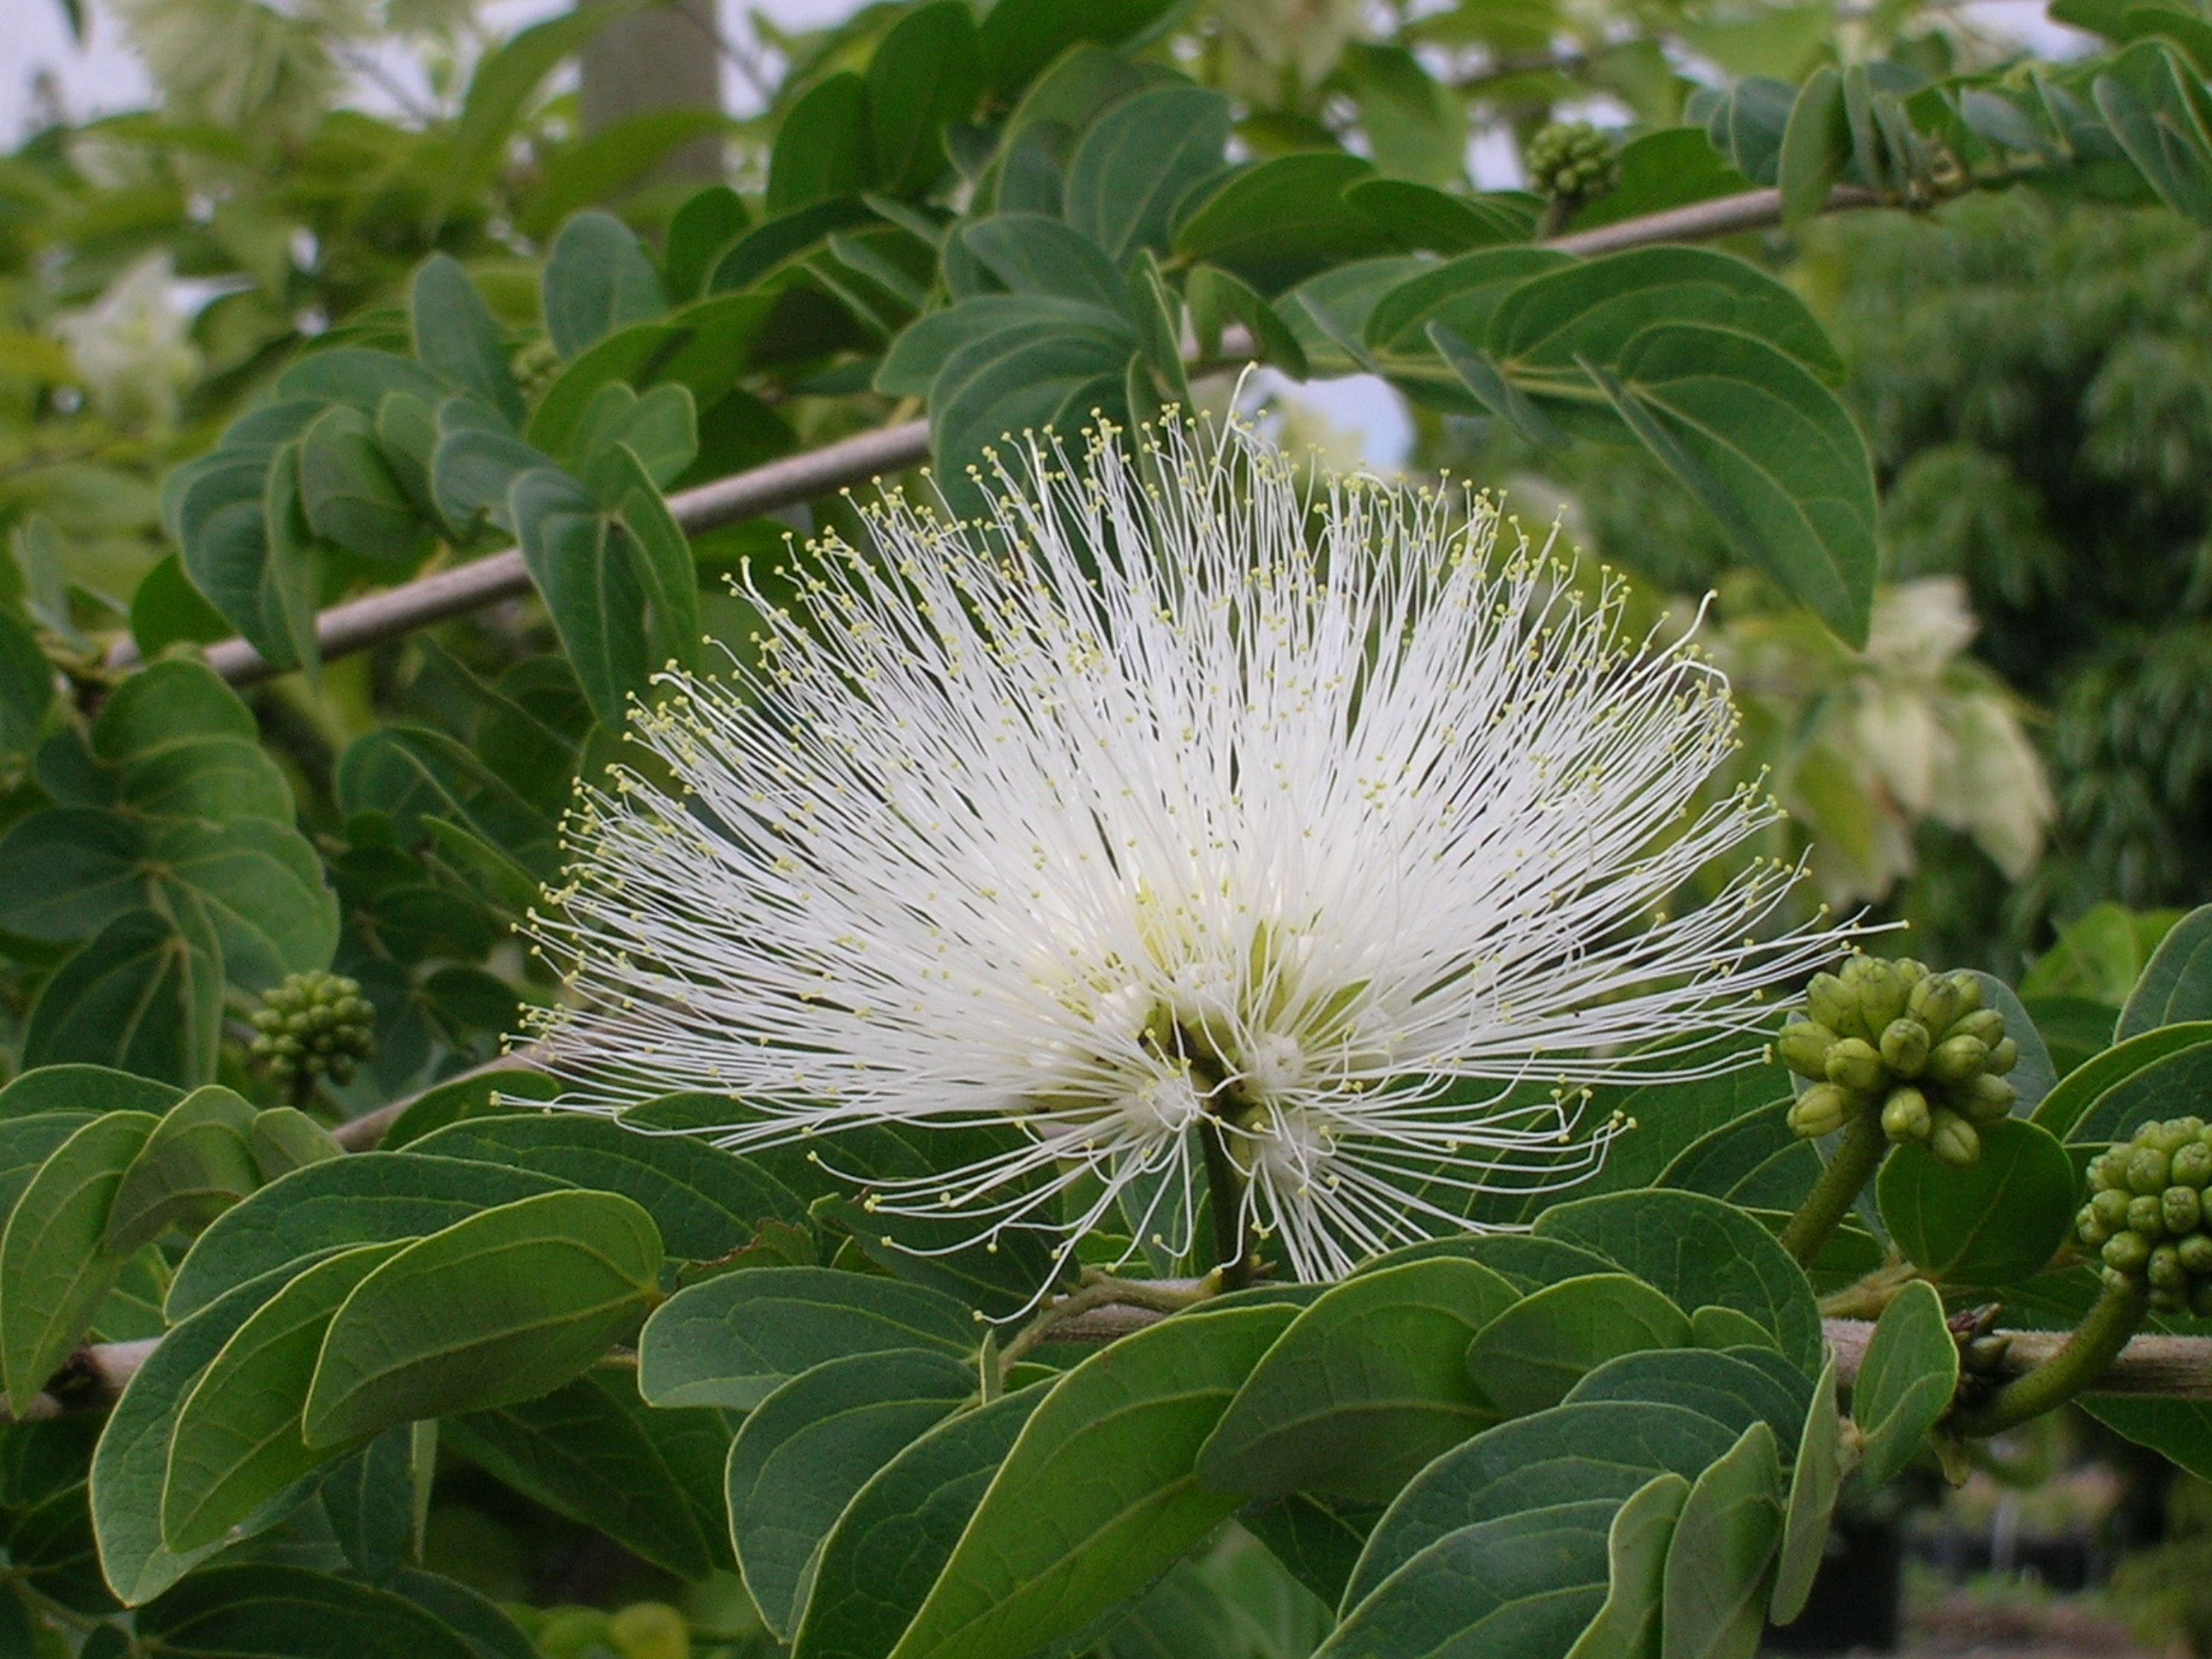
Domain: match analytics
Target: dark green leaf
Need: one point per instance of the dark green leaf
(1732, 1389)
(1020, 38)
(707, 223)
(1368, 1385)
(413, 775)
(1318, 1543)
(2101, 1100)
(478, 1621)
(806, 1450)
(456, 336)
(1905, 1382)
(285, 1139)
(598, 280)
(2176, 986)
(1417, 217)
(465, 1099)
(1996, 1221)
(84, 1089)
(360, 380)
(504, 1306)
(1628, 1625)
(1756, 1162)
(363, 1199)
(1720, 1561)
(926, 74)
(661, 429)
(369, 1502)
(918, 355)
(1532, 1354)
(351, 493)
(145, 995)
(1281, 220)
(1816, 147)
(635, 354)
(1099, 1494)
(1461, 294)
(2158, 110)
(734, 1340)
(195, 1165)
(269, 1612)
(586, 567)
(824, 149)
(1032, 254)
(1815, 1477)
(612, 161)
(1137, 160)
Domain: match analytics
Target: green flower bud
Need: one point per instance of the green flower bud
(1905, 1115)
(2196, 1254)
(1905, 1047)
(1820, 1110)
(2147, 1215)
(2004, 1054)
(2116, 1281)
(2166, 1301)
(2088, 1229)
(1953, 1139)
(1834, 1007)
(1985, 1098)
(1854, 1064)
(2107, 1170)
(2182, 1207)
(2164, 1269)
(2126, 1253)
(1804, 1048)
(2111, 1209)
(2169, 1137)
(2149, 1170)
(1986, 1023)
(2191, 1165)
(1936, 1003)
(1956, 1058)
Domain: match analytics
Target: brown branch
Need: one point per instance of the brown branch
(364, 1133)
(360, 624)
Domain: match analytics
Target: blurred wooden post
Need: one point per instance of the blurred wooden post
(666, 56)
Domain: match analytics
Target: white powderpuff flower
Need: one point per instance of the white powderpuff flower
(132, 347)
(1173, 809)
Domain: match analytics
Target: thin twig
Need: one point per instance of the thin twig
(365, 1133)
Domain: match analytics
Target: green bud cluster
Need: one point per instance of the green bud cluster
(1572, 161)
(314, 1024)
(2148, 1215)
(1918, 1046)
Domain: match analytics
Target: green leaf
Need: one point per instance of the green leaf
(824, 149)
(364, 1198)
(1996, 1221)
(705, 1202)
(2033, 1075)
(612, 597)
(1318, 1543)
(598, 280)
(368, 1500)
(2158, 110)
(84, 1089)
(1756, 1162)
(165, 608)
(351, 493)
(285, 1139)
(359, 378)
(1100, 1493)
(1735, 1389)
(503, 82)
(264, 1611)
(894, 1538)
(237, 1441)
(1212, 293)
(778, 241)
(1720, 1561)
(196, 1165)
(734, 1340)
(608, 164)
(1768, 449)
(1014, 382)
(1816, 1477)
(636, 354)
(52, 1555)
(1522, 1586)
(1493, 393)
(1532, 1354)
(145, 995)
(707, 223)
(414, 776)
(1137, 160)
(1020, 37)
(2177, 1430)
(465, 1099)
(455, 335)
(1628, 1625)
(595, 1451)
(1461, 294)
(1032, 254)
(2094, 1102)
(1672, 168)
(1282, 221)
(51, 1259)
(1367, 1386)
(504, 1306)
(1568, 1455)
(1816, 147)
(926, 74)
(1905, 1382)
(1414, 128)
(480, 1622)
(918, 357)
(2176, 986)
(1523, 1262)
(660, 430)
(1696, 1252)
(25, 1144)
(1416, 216)
(130, 1463)
(805, 1451)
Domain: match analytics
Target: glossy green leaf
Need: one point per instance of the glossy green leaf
(598, 280)
(709, 221)
(25, 1143)
(1100, 1493)
(1367, 1386)
(1733, 1387)
(595, 1451)
(1905, 1382)
(2176, 986)
(1532, 1353)
(504, 1306)
(1137, 160)
(1316, 1541)
(1816, 1476)
(51, 1256)
(364, 1198)
(1996, 1221)
(1522, 1586)
(165, 608)
(196, 1163)
(805, 1451)
(456, 336)
(285, 1139)
(131, 1464)
(481, 1094)
(926, 74)
(416, 776)
(265, 1610)
(1281, 220)
(705, 1202)
(237, 1441)
(1605, 1450)
(2090, 1105)
(1697, 1251)
(1720, 1561)
(918, 355)
(1627, 1626)
(733, 1341)
(635, 354)
(1527, 1263)
(895, 1536)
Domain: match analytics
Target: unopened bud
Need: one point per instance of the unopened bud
(2126, 1253)
(2196, 1253)
(2111, 1209)
(1985, 1099)
(1905, 1047)
(1905, 1115)
(2191, 1165)
(1803, 1047)
(1854, 1064)
(2182, 1208)
(1834, 1007)
(1820, 1110)
(1956, 1058)
(1986, 1023)
(2004, 1054)
(2089, 1228)
(1936, 1003)
(2147, 1215)
(1882, 992)
(1953, 1139)
(2149, 1170)
(2164, 1269)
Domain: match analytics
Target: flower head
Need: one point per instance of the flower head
(1175, 808)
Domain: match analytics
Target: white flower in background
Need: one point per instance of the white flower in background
(1142, 814)
(132, 346)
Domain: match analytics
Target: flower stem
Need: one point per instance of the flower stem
(1831, 1197)
(1098, 1291)
(1226, 1186)
(2095, 1345)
